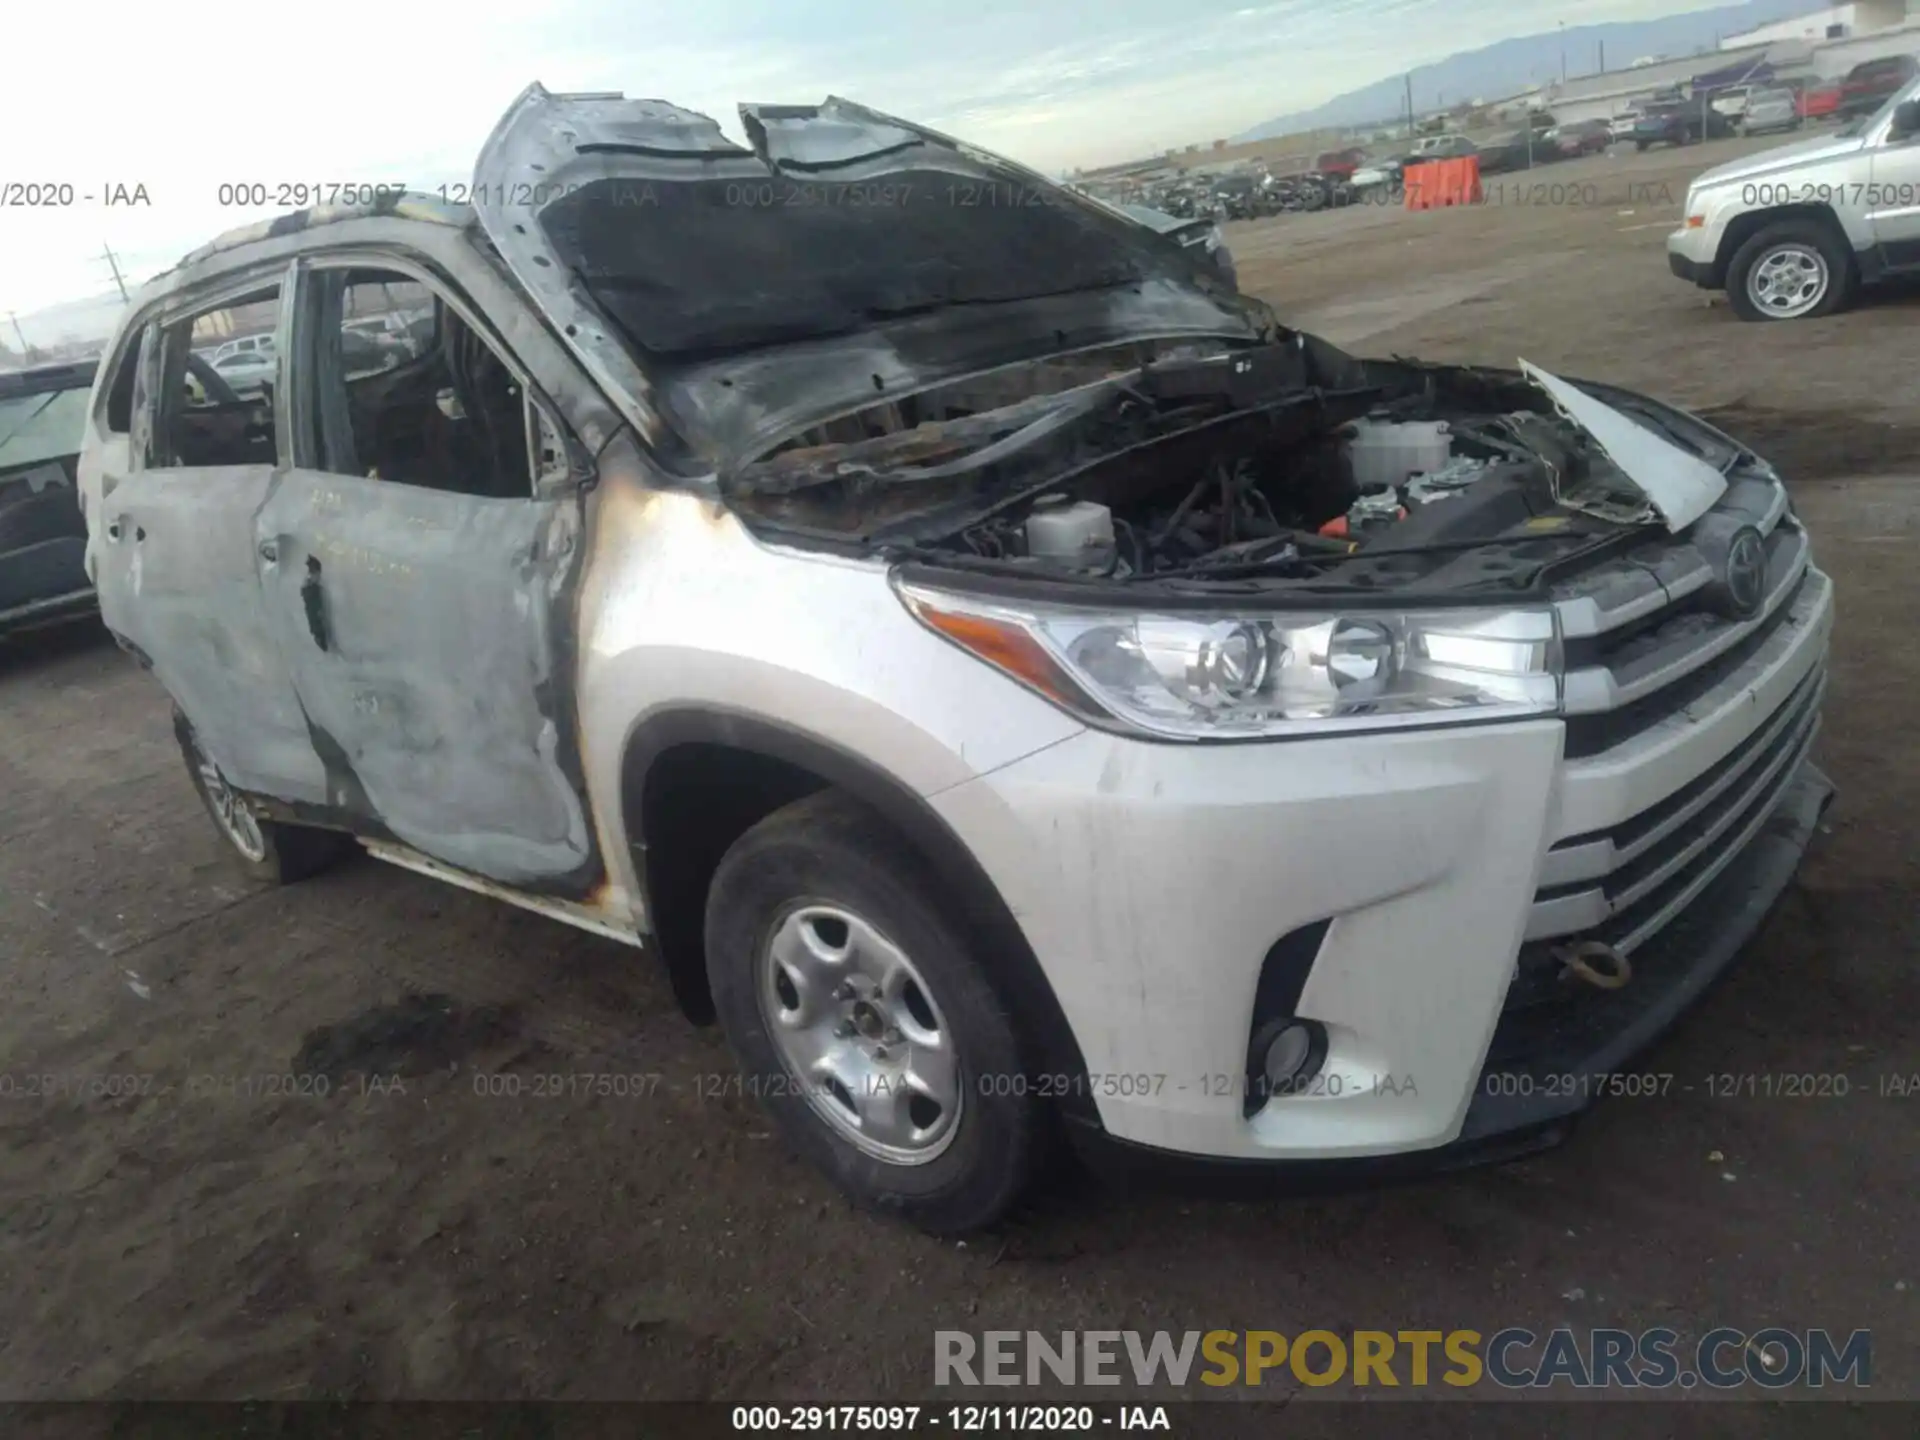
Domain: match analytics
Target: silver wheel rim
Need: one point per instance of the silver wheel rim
(861, 1034)
(231, 813)
(1788, 280)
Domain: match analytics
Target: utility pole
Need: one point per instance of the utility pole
(106, 252)
(1409, 104)
(25, 348)
(1603, 58)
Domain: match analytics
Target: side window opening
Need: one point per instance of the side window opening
(404, 390)
(216, 402)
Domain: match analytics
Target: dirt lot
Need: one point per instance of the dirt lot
(419, 1239)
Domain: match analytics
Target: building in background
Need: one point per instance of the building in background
(1791, 60)
(1836, 22)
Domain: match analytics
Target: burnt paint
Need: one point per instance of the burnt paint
(189, 596)
(726, 411)
(191, 624)
(440, 704)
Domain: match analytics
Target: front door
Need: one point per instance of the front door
(1893, 200)
(422, 592)
(175, 557)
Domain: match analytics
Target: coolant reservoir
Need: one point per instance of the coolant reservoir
(1073, 533)
(1384, 454)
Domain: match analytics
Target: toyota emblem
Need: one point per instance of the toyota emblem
(1745, 579)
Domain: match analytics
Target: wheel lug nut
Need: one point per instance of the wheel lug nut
(879, 1052)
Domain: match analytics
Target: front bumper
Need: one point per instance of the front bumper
(1153, 880)
(1692, 253)
(1694, 272)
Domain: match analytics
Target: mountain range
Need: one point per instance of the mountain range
(1507, 67)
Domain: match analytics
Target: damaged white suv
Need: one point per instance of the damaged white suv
(1021, 687)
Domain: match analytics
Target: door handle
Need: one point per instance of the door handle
(269, 551)
(314, 601)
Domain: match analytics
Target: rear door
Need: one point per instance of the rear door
(174, 551)
(418, 567)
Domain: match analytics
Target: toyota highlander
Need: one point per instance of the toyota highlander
(1014, 682)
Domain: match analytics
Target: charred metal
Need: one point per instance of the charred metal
(1201, 468)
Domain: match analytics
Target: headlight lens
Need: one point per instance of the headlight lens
(1200, 676)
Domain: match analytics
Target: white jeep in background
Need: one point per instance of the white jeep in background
(1790, 233)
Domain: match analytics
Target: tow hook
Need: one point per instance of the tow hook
(1578, 961)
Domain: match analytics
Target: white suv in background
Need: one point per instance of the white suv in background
(261, 345)
(1791, 233)
(1019, 686)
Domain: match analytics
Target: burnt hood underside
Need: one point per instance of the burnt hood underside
(844, 254)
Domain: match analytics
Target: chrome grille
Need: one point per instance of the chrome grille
(1627, 669)
(1626, 882)
(1646, 654)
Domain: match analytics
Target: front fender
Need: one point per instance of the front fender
(682, 609)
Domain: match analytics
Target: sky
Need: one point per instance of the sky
(180, 101)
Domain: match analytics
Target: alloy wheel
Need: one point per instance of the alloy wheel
(232, 814)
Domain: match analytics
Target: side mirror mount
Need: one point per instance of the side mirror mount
(1906, 120)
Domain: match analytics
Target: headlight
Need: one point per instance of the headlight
(1227, 675)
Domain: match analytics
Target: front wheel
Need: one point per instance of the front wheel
(864, 1021)
(1793, 270)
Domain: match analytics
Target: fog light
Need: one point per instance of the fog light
(1289, 1053)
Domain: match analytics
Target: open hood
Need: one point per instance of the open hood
(732, 295)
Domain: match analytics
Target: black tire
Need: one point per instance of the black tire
(829, 849)
(1641, 146)
(285, 853)
(1822, 238)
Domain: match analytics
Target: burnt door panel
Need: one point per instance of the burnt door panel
(178, 580)
(428, 637)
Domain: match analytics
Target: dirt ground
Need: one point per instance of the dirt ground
(419, 1237)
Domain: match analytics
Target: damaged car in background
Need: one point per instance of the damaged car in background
(1203, 237)
(43, 537)
(1015, 683)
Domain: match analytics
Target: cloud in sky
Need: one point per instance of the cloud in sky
(378, 90)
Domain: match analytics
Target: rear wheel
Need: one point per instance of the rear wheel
(272, 852)
(863, 1020)
(1792, 270)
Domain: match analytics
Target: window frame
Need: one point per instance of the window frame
(151, 393)
(539, 413)
(125, 356)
